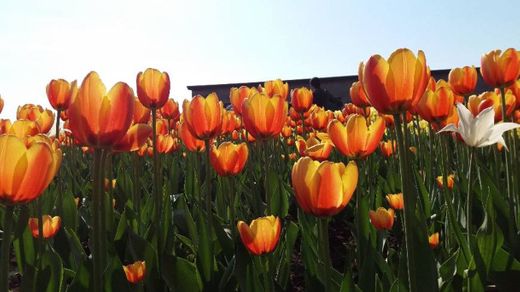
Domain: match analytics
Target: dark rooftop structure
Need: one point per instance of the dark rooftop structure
(338, 86)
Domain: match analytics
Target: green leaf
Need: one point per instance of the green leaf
(180, 274)
(51, 275)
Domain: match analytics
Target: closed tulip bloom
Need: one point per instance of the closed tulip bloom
(262, 235)
(98, 118)
(382, 219)
(229, 158)
(27, 166)
(24, 128)
(323, 189)
(433, 240)
(320, 118)
(500, 68)
(60, 93)
(203, 116)
(477, 104)
(276, 87)
(350, 109)
(286, 132)
(388, 147)
(134, 138)
(135, 272)
(166, 144)
(170, 110)
(142, 114)
(191, 142)
(264, 117)
(301, 99)
(356, 140)
(43, 117)
(51, 225)
(396, 85)
(395, 201)
(314, 148)
(358, 95)
(238, 95)
(5, 126)
(436, 105)
(451, 181)
(162, 127)
(515, 90)
(463, 80)
(153, 88)
(230, 122)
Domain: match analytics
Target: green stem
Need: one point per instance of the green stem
(6, 245)
(58, 112)
(323, 230)
(39, 203)
(232, 206)
(469, 198)
(510, 194)
(156, 184)
(97, 228)
(268, 283)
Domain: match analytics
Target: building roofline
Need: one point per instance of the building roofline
(255, 83)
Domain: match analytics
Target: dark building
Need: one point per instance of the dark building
(338, 86)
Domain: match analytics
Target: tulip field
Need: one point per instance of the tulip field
(413, 186)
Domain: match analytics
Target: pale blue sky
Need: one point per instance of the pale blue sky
(203, 42)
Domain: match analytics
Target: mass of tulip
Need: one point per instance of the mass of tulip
(413, 186)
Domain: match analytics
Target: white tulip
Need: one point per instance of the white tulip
(481, 130)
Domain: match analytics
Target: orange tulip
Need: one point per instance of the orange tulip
(476, 104)
(276, 87)
(463, 80)
(314, 148)
(286, 131)
(436, 105)
(301, 99)
(134, 138)
(396, 85)
(262, 235)
(170, 110)
(263, 116)
(320, 118)
(98, 118)
(109, 184)
(23, 128)
(64, 115)
(191, 142)
(203, 116)
(141, 113)
(358, 95)
(60, 93)
(167, 144)
(382, 219)
(27, 166)
(451, 181)
(135, 272)
(388, 147)
(238, 95)
(1, 104)
(5, 126)
(153, 88)
(515, 90)
(323, 189)
(229, 158)
(230, 122)
(500, 69)
(433, 240)
(43, 117)
(51, 225)
(395, 201)
(356, 140)
(350, 109)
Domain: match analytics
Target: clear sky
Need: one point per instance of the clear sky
(205, 42)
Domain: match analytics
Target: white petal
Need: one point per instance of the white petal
(449, 128)
(465, 116)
